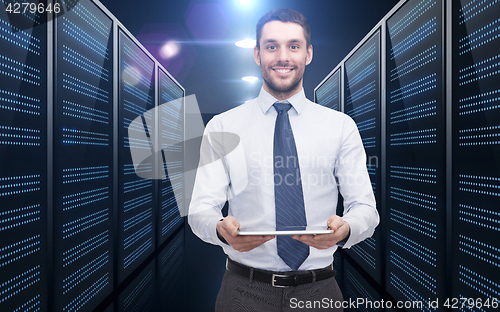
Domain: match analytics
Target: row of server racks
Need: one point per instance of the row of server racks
(423, 87)
(79, 229)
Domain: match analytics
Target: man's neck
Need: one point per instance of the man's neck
(281, 96)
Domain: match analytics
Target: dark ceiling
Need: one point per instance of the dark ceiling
(210, 66)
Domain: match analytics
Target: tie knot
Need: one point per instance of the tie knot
(282, 107)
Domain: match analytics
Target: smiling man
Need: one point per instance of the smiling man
(315, 152)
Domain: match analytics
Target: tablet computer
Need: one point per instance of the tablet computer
(310, 230)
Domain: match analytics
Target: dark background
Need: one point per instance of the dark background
(210, 66)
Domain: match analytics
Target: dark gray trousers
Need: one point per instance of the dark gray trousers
(239, 294)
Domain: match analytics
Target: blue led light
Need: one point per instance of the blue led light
(89, 18)
(32, 305)
(479, 182)
(364, 255)
(416, 62)
(137, 235)
(478, 219)
(417, 87)
(177, 220)
(360, 291)
(169, 213)
(145, 282)
(369, 142)
(362, 92)
(82, 62)
(79, 111)
(414, 272)
(19, 250)
(137, 219)
(25, 184)
(362, 109)
(19, 283)
(84, 38)
(409, 292)
(416, 12)
(416, 249)
(86, 295)
(129, 169)
(421, 226)
(176, 249)
(474, 134)
(414, 137)
(366, 72)
(139, 94)
(20, 216)
(174, 113)
(481, 70)
(84, 223)
(479, 8)
(137, 202)
(418, 200)
(422, 110)
(362, 58)
(480, 34)
(136, 75)
(85, 272)
(480, 250)
(366, 125)
(17, 38)
(478, 282)
(139, 251)
(85, 198)
(408, 175)
(144, 64)
(174, 90)
(73, 175)
(414, 38)
(82, 249)
(77, 85)
(136, 185)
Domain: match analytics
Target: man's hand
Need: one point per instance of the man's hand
(341, 230)
(228, 228)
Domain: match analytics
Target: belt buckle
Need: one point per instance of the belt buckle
(274, 280)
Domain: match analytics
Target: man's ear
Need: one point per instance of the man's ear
(309, 55)
(256, 55)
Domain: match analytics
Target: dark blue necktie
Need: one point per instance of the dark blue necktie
(288, 195)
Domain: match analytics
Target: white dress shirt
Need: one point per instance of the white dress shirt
(331, 156)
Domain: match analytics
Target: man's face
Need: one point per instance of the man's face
(282, 57)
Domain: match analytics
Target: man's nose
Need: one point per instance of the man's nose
(283, 55)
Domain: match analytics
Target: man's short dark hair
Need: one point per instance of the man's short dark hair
(284, 15)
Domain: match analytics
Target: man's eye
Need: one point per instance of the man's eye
(271, 47)
(294, 47)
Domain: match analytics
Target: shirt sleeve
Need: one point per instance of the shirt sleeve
(210, 187)
(360, 210)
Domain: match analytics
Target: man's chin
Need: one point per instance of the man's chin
(283, 88)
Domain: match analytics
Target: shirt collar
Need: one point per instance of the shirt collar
(266, 100)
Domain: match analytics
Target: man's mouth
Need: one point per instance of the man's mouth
(283, 71)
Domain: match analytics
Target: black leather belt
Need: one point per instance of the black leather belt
(280, 279)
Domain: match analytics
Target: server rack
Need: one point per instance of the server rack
(328, 92)
(71, 239)
(171, 136)
(475, 55)
(24, 235)
(362, 103)
(137, 197)
(439, 155)
(83, 156)
(416, 140)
